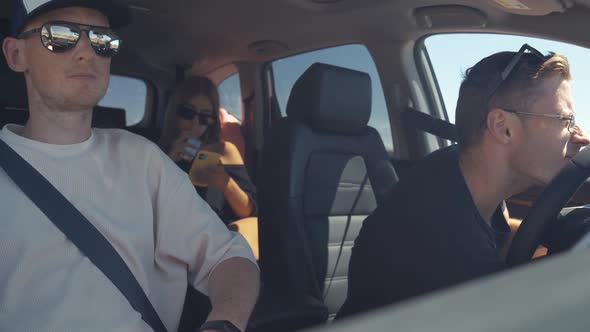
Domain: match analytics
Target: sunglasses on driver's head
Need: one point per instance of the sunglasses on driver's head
(188, 113)
(505, 73)
(59, 37)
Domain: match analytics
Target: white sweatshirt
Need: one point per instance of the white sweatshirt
(140, 201)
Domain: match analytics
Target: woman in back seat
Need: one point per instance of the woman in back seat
(191, 137)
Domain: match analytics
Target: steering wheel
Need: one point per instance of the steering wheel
(547, 207)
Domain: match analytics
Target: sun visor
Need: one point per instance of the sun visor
(450, 16)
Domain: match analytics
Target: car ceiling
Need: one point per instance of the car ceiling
(205, 35)
(208, 34)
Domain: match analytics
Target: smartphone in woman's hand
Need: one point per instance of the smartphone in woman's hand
(191, 150)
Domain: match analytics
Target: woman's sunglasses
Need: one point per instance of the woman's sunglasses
(188, 113)
(61, 36)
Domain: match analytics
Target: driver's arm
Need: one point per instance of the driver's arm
(561, 234)
(514, 224)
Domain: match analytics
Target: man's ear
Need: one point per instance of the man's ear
(499, 126)
(14, 53)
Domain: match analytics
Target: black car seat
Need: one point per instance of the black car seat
(13, 94)
(323, 171)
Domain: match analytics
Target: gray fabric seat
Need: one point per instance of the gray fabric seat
(323, 171)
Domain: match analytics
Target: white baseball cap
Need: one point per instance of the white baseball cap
(116, 11)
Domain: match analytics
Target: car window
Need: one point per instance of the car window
(230, 95)
(287, 71)
(129, 94)
(449, 66)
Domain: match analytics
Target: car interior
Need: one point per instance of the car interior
(322, 150)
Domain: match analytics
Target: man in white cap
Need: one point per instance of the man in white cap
(143, 205)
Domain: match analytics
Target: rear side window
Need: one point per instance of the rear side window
(287, 71)
(230, 95)
(129, 94)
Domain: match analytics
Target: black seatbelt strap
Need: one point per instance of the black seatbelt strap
(430, 124)
(78, 230)
(348, 220)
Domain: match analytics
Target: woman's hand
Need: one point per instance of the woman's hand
(212, 176)
(218, 178)
(181, 147)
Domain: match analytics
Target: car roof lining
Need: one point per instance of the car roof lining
(198, 37)
(207, 35)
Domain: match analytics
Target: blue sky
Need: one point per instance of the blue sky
(449, 64)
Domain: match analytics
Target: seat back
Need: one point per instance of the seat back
(323, 171)
(12, 85)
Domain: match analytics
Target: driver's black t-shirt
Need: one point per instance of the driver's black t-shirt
(427, 236)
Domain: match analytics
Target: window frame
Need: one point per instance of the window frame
(429, 81)
(429, 78)
(218, 85)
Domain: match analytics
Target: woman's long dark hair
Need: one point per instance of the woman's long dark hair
(191, 87)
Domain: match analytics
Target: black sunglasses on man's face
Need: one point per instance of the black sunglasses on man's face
(61, 36)
(512, 64)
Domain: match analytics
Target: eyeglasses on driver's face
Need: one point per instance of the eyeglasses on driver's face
(60, 36)
(570, 120)
(186, 112)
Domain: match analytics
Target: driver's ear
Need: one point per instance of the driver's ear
(499, 126)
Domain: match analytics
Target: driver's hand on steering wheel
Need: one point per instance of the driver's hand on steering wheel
(579, 138)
